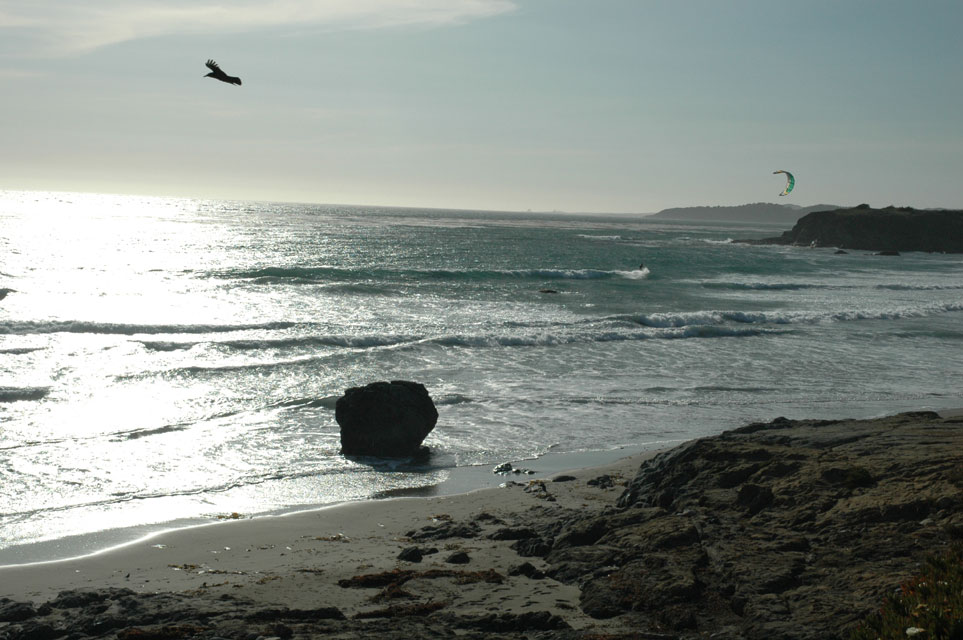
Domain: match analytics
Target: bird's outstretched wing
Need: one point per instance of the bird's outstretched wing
(213, 66)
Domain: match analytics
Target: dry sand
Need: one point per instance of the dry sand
(297, 560)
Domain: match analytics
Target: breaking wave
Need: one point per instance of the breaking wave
(666, 320)
(257, 344)
(920, 287)
(763, 286)
(657, 326)
(112, 328)
(315, 275)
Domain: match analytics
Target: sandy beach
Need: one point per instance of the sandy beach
(298, 560)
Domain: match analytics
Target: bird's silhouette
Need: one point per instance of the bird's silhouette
(217, 74)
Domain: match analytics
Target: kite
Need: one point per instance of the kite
(790, 182)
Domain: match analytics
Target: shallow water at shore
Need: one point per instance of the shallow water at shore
(454, 482)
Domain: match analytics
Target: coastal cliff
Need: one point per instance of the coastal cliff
(868, 229)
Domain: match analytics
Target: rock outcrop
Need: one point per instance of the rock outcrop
(789, 529)
(890, 230)
(385, 419)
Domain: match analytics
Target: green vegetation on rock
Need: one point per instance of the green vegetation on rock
(928, 606)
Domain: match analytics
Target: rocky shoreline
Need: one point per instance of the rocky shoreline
(889, 230)
(786, 529)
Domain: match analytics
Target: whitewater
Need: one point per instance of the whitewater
(172, 361)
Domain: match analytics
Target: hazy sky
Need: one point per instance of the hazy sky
(575, 105)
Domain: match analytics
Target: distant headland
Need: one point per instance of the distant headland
(891, 229)
(756, 212)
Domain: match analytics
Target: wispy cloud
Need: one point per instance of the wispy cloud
(19, 73)
(66, 27)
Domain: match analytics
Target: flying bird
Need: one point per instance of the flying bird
(217, 74)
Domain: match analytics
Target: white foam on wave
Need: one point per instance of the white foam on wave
(764, 286)
(635, 274)
(669, 320)
(113, 328)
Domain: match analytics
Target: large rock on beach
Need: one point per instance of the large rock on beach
(385, 419)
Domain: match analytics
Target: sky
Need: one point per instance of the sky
(610, 106)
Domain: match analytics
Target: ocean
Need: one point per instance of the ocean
(173, 361)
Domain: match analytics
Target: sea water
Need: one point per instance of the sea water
(174, 360)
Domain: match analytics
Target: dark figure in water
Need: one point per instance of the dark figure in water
(217, 74)
(641, 266)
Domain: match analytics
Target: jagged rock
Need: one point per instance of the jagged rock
(385, 419)
(754, 497)
(528, 570)
(513, 533)
(531, 547)
(35, 631)
(786, 529)
(445, 530)
(81, 598)
(581, 532)
(570, 565)
(653, 582)
(484, 516)
(514, 623)
(11, 611)
(271, 615)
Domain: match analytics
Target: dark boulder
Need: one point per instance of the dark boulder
(459, 557)
(412, 554)
(385, 419)
(11, 611)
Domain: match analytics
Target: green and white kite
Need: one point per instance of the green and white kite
(790, 182)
